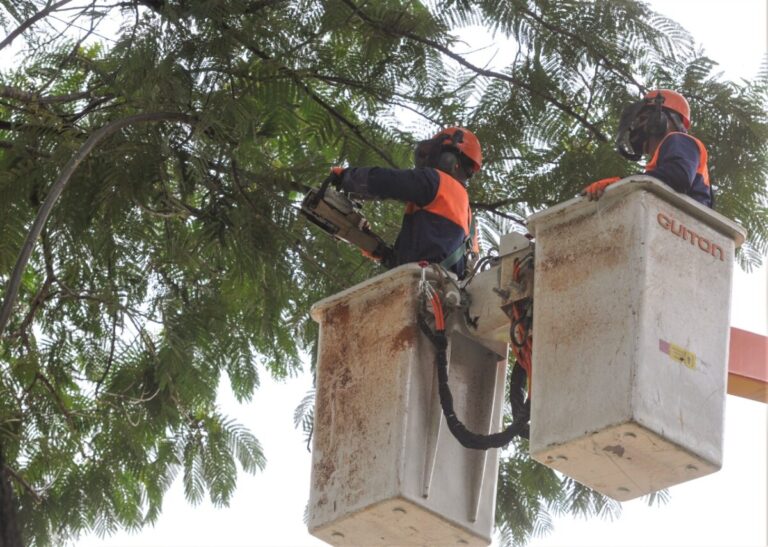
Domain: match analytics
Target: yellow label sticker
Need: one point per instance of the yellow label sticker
(683, 356)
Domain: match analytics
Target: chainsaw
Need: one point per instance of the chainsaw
(336, 213)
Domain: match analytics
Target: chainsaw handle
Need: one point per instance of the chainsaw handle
(318, 196)
(332, 178)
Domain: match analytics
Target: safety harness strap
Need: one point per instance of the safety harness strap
(463, 248)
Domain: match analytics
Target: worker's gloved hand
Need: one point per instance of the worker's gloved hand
(595, 190)
(369, 255)
(337, 173)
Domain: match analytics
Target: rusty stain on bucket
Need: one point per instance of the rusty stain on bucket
(354, 396)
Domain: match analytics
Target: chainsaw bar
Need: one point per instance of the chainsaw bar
(338, 215)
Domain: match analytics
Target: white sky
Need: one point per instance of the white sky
(727, 508)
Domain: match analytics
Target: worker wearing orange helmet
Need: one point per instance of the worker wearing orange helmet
(437, 225)
(657, 126)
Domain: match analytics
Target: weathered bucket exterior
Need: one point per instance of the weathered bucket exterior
(385, 468)
(630, 338)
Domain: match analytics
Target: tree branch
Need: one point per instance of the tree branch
(110, 360)
(58, 187)
(344, 121)
(44, 292)
(316, 97)
(50, 8)
(554, 29)
(347, 82)
(296, 244)
(481, 71)
(18, 94)
(57, 398)
(494, 206)
(30, 97)
(24, 484)
(5, 125)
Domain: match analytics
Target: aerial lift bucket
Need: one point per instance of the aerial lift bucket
(630, 338)
(385, 468)
(630, 342)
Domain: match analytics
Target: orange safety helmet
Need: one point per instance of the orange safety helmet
(465, 141)
(671, 100)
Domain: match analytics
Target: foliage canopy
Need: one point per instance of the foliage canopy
(175, 256)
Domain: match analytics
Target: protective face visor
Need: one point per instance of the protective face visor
(640, 121)
(631, 135)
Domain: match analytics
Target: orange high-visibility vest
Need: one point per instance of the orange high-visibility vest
(450, 202)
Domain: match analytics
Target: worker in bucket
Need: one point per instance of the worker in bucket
(437, 225)
(657, 126)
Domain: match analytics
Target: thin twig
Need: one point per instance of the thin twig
(57, 397)
(333, 111)
(27, 97)
(31, 21)
(513, 218)
(554, 29)
(111, 357)
(44, 293)
(481, 71)
(295, 244)
(74, 49)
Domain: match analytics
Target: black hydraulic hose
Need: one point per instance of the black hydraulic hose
(521, 406)
(467, 438)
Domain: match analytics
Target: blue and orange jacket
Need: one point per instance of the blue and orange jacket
(681, 162)
(437, 214)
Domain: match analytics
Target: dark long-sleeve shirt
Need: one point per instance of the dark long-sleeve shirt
(677, 165)
(423, 235)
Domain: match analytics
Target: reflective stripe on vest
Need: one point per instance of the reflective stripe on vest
(701, 169)
(450, 202)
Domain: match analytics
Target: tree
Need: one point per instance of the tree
(175, 257)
